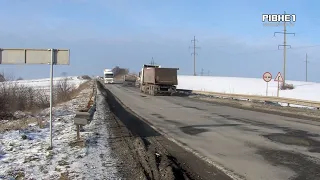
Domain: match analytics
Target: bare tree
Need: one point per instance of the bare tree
(2, 79)
(19, 79)
(64, 74)
(63, 89)
(9, 77)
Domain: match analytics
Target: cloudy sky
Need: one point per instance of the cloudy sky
(128, 33)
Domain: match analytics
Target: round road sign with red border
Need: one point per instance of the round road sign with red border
(267, 77)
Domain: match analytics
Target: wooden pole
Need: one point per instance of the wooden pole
(78, 132)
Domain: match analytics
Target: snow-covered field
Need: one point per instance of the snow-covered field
(250, 86)
(45, 83)
(24, 153)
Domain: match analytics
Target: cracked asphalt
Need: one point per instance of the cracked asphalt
(242, 143)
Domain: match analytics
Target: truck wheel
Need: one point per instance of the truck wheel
(152, 90)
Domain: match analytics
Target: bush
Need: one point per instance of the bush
(63, 90)
(287, 86)
(2, 79)
(14, 97)
(86, 77)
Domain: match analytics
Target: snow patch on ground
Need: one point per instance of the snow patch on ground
(250, 86)
(29, 158)
(45, 83)
(98, 163)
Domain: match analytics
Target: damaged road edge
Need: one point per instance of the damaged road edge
(183, 164)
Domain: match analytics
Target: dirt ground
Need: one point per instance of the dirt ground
(143, 153)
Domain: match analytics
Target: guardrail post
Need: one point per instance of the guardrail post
(78, 132)
(81, 119)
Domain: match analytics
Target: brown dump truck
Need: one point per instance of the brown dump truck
(129, 79)
(155, 80)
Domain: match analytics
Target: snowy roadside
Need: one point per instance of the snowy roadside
(24, 154)
(97, 163)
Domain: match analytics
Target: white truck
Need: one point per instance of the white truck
(108, 76)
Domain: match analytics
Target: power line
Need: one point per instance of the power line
(271, 50)
(284, 48)
(267, 50)
(194, 54)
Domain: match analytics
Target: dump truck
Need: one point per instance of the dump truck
(129, 79)
(156, 80)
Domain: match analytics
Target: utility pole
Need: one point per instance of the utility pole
(284, 48)
(194, 54)
(306, 67)
(208, 72)
(201, 71)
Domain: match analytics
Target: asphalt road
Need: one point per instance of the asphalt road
(249, 144)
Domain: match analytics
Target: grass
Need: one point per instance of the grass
(64, 93)
(17, 124)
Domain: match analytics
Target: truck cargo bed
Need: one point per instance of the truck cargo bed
(130, 78)
(160, 76)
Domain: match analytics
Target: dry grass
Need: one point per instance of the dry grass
(20, 124)
(15, 97)
(64, 90)
(64, 176)
(82, 87)
(78, 143)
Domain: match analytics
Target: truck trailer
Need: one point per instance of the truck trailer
(155, 80)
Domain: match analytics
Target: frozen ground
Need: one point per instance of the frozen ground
(45, 83)
(29, 157)
(251, 86)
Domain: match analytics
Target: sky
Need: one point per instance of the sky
(102, 34)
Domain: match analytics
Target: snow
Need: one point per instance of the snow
(45, 83)
(250, 86)
(32, 158)
(98, 163)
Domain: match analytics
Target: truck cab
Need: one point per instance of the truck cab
(108, 76)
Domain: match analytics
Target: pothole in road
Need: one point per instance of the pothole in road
(192, 130)
(157, 115)
(303, 166)
(295, 139)
(290, 140)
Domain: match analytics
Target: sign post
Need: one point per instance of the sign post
(267, 77)
(278, 78)
(37, 56)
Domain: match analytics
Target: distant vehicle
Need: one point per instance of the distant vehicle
(129, 79)
(155, 80)
(108, 76)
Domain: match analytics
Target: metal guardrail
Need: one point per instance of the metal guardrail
(308, 103)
